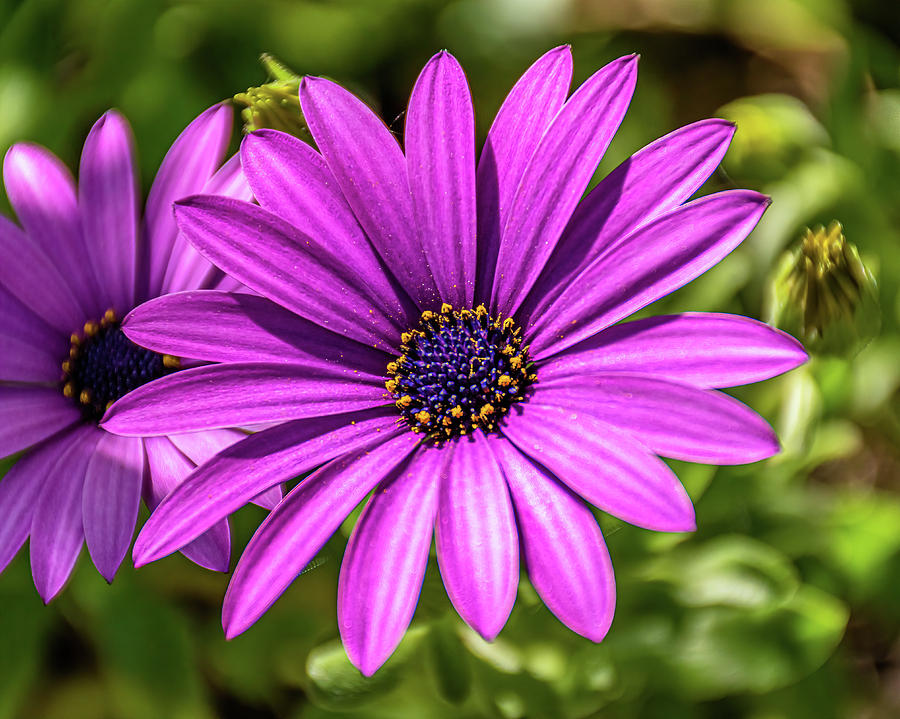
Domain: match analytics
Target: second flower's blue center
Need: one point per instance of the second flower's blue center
(460, 370)
(103, 365)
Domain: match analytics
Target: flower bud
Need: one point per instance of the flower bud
(824, 295)
(276, 104)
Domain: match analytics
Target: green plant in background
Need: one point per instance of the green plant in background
(823, 294)
(783, 604)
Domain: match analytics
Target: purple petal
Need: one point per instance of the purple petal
(188, 269)
(702, 349)
(244, 470)
(42, 193)
(524, 116)
(32, 350)
(477, 543)
(200, 447)
(57, 532)
(371, 171)
(556, 178)
(225, 327)
(440, 157)
(564, 551)
(168, 469)
(293, 181)
(30, 414)
(656, 259)
(280, 262)
(108, 201)
(604, 465)
(111, 498)
(20, 488)
(185, 170)
(654, 180)
(384, 564)
(36, 282)
(234, 395)
(670, 419)
(292, 534)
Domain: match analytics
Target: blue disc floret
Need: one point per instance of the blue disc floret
(459, 370)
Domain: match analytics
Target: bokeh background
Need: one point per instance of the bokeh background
(786, 601)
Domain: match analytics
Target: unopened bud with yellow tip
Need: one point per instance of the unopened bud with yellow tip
(824, 295)
(276, 104)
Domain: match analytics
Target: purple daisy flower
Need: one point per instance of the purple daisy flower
(485, 300)
(81, 260)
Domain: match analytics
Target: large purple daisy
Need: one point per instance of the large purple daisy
(81, 261)
(485, 301)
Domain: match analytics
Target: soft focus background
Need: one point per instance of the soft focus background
(785, 602)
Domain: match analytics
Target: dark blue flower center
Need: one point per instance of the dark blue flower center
(103, 365)
(460, 370)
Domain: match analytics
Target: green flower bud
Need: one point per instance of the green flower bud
(276, 104)
(824, 295)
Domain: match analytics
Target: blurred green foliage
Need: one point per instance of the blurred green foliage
(784, 603)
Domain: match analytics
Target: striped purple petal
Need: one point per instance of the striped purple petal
(658, 258)
(188, 165)
(299, 272)
(370, 169)
(244, 470)
(30, 414)
(440, 159)
(517, 129)
(108, 201)
(384, 565)
(57, 530)
(706, 350)
(168, 469)
(42, 192)
(670, 419)
(604, 465)
(240, 394)
(295, 530)
(654, 180)
(557, 176)
(110, 500)
(563, 549)
(475, 533)
(228, 327)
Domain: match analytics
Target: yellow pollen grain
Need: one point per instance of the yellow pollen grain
(404, 401)
(447, 421)
(67, 366)
(423, 417)
(68, 390)
(74, 338)
(446, 309)
(516, 362)
(480, 311)
(405, 338)
(427, 315)
(391, 385)
(457, 411)
(171, 362)
(85, 396)
(91, 328)
(486, 411)
(109, 317)
(392, 367)
(508, 323)
(73, 352)
(504, 380)
(508, 349)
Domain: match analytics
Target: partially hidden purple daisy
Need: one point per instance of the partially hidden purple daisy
(484, 298)
(80, 261)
